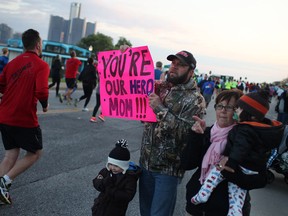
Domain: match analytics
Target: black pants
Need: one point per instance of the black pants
(97, 105)
(88, 89)
(55, 80)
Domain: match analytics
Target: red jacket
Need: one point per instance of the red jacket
(23, 82)
(72, 66)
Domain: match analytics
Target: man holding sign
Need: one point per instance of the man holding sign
(174, 102)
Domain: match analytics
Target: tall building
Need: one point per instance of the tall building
(77, 31)
(5, 33)
(90, 28)
(66, 30)
(70, 31)
(75, 10)
(56, 27)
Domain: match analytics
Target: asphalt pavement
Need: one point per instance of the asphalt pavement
(60, 183)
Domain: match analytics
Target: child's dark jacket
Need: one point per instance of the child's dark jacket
(116, 191)
(249, 143)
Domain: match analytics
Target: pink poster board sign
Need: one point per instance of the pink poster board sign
(126, 79)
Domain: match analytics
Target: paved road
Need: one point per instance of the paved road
(75, 150)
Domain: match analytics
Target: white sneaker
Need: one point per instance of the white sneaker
(4, 192)
(85, 109)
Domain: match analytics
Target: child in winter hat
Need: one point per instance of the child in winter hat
(117, 182)
(255, 105)
(119, 156)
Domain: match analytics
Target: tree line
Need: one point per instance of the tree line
(102, 42)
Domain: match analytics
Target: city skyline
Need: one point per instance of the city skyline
(240, 38)
(70, 31)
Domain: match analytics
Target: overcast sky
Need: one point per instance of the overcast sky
(242, 38)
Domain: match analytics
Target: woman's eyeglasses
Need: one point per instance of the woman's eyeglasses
(227, 107)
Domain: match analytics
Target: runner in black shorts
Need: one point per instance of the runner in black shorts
(72, 67)
(29, 139)
(23, 82)
(70, 82)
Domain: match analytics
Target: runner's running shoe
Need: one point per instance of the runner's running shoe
(60, 98)
(101, 117)
(85, 109)
(76, 102)
(4, 192)
(93, 119)
(68, 102)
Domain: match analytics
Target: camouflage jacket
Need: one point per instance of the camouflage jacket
(164, 140)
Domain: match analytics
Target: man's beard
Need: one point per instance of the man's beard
(178, 80)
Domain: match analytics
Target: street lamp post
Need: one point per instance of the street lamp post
(90, 49)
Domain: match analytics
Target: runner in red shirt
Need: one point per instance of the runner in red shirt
(23, 82)
(72, 66)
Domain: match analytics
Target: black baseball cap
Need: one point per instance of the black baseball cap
(185, 57)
